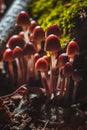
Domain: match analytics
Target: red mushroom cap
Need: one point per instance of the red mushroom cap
(73, 49)
(52, 43)
(29, 49)
(14, 41)
(38, 34)
(68, 69)
(48, 59)
(36, 57)
(53, 29)
(33, 24)
(17, 52)
(62, 59)
(23, 19)
(21, 34)
(8, 55)
(41, 65)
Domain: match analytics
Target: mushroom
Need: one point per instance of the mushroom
(14, 41)
(18, 54)
(53, 29)
(42, 66)
(33, 24)
(23, 20)
(8, 57)
(72, 50)
(28, 52)
(38, 37)
(67, 72)
(61, 61)
(21, 34)
(52, 44)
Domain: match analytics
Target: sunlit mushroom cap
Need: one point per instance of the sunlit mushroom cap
(41, 65)
(38, 34)
(23, 19)
(62, 59)
(29, 49)
(14, 41)
(52, 43)
(72, 49)
(17, 52)
(8, 55)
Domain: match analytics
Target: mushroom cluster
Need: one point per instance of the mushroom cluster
(29, 50)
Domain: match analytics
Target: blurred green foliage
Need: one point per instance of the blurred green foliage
(60, 12)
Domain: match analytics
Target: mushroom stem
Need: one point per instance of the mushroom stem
(11, 71)
(53, 73)
(74, 91)
(59, 80)
(25, 34)
(20, 71)
(66, 89)
(44, 82)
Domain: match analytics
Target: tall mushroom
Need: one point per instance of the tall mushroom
(61, 61)
(18, 54)
(67, 72)
(38, 37)
(42, 66)
(28, 52)
(52, 44)
(8, 57)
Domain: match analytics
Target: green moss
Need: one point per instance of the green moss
(57, 12)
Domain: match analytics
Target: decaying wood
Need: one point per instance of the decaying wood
(7, 24)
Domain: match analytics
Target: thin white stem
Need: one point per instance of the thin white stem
(11, 72)
(19, 71)
(25, 29)
(53, 73)
(59, 80)
(38, 47)
(44, 82)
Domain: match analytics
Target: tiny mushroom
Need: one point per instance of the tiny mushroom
(42, 66)
(23, 20)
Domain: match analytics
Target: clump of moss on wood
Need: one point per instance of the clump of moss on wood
(62, 13)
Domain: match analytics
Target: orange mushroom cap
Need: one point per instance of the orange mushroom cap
(14, 41)
(41, 65)
(8, 55)
(72, 49)
(23, 19)
(52, 43)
